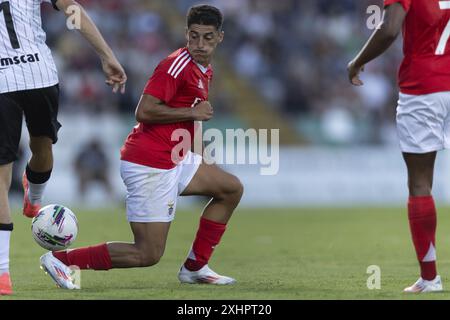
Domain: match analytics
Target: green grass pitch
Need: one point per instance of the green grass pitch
(275, 254)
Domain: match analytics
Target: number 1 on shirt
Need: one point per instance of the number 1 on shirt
(4, 6)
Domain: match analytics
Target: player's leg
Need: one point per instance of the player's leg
(37, 173)
(422, 218)
(6, 227)
(149, 193)
(225, 191)
(151, 205)
(10, 131)
(146, 250)
(41, 154)
(420, 173)
(421, 127)
(41, 111)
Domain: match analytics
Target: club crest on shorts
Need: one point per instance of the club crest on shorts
(171, 204)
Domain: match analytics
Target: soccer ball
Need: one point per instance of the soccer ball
(55, 227)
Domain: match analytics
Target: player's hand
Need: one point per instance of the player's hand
(203, 111)
(353, 74)
(115, 74)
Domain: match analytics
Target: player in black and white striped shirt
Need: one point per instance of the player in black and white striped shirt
(25, 60)
(29, 86)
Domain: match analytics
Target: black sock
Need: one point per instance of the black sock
(6, 227)
(37, 177)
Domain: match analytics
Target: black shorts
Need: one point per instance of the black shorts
(40, 107)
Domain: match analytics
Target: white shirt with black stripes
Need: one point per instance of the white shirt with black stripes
(26, 61)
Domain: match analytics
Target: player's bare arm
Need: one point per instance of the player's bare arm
(151, 110)
(115, 74)
(379, 42)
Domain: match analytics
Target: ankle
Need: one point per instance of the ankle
(193, 265)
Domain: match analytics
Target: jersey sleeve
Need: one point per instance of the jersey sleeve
(406, 4)
(162, 84)
(53, 2)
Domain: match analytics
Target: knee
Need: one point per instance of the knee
(150, 257)
(232, 190)
(238, 188)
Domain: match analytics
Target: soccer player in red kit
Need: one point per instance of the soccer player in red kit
(174, 98)
(423, 113)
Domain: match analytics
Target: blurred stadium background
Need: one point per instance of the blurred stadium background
(282, 66)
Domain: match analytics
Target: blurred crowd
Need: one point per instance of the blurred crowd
(294, 53)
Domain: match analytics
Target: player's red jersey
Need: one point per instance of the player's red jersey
(426, 30)
(181, 83)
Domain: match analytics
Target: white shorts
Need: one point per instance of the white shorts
(152, 193)
(423, 122)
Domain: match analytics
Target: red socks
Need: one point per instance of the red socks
(208, 236)
(95, 257)
(422, 222)
(98, 258)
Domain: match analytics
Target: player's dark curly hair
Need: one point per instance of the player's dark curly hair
(205, 15)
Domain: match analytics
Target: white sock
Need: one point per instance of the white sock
(4, 251)
(35, 192)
